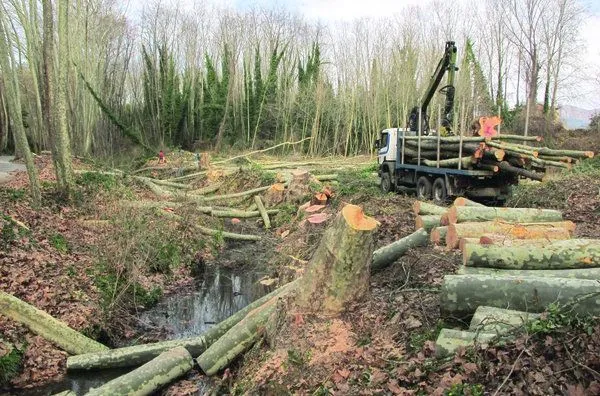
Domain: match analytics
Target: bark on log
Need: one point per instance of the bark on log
(211, 188)
(462, 201)
(426, 208)
(427, 222)
(339, 272)
(233, 195)
(551, 231)
(46, 326)
(461, 295)
(585, 273)
(386, 255)
(438, 234)
(212, 232)
(161, 192)
(514, 148)
(262, 211)
(501, 240)
(462, 214)
(167, 183)
(237, 340)
(570, 254)
(466, 162)
(140, 354)
(568, 153)
(146, 379)
(545, 163)
(519, 138)
(499, 321)
(298, 188)
(449, 341)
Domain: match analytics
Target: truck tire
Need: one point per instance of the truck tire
(423, 188)
(386, 183)
(439, 191)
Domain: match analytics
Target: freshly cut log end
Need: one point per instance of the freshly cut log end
(148, 378)
(499, 321)
(438, 234)
(449, 341)
(339, 272)
(444, 220)
(585, 273)
(355, 218)
(386, 255)
(427, 222)
(461, 295)
(571, 254)
(426, 208)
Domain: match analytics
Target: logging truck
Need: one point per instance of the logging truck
(435, 179)
(414, 156)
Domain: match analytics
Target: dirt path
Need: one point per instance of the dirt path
(8, 168)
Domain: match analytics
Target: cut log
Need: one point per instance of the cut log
(449, 341)
(329, 177)
(584, 273)
(545, 163)
(210, 231)
(438, 234)
(514, 148)
(262, 211)
(386, 255)
(461, 295)
(339, 272)
(170, 184)
(158, 191)
(519, 138)
(237, 340)
(275, 194)
(427, 222)
(146, 379)
(233, 195)
(426, 208)
(211, 188)
(552, 231)
(462, 201)
(568, 153)
(570, 254)
(501, 240)
(43, 324)
(140, 354)
(462, 214)
(466, 162)
(507, 167)
(499, 321)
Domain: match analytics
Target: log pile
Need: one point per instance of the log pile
(518, 258)
(512, 154)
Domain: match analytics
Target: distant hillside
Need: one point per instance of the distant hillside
(575, 117)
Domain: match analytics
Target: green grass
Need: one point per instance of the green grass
(10, 364)
(59, 242)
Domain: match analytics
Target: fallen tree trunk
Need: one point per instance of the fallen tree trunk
(461, 214)
(449, 341)
(438, 234)
(339, 272)
(167, 183)
(211, 188)
(570, 254)
(427, 222)
(46, 326)
(212, 232)
(161, 192)
(237, 340)
(426, 208)
(386, 255)
(461, 295)
(507, 167)
(151, 376)
(499, 321)
(262, 211)
(462, 201)
(139, 354)
(551, 231)
(584, 273)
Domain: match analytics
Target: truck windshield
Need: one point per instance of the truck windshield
(384, 140)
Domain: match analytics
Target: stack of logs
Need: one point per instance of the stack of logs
(503, 153)
(518, 258)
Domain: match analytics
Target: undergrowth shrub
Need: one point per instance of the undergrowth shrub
(10, 362)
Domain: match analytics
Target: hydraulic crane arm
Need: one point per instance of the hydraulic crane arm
(447, 63)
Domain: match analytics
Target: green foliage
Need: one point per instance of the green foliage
(595, 122)
(10, 363)
(559, 318)
(417, 339)
(286, 214)
(13, 195)
(10, 232)
(59, 242)
(297, 358)
(358, 182)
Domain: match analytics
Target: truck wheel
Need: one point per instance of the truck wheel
(423, 188)
(386, 183)
(440, 193)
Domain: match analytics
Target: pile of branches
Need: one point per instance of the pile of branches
(514, 154)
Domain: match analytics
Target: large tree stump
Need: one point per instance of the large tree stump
(299, 187)
(339, 271)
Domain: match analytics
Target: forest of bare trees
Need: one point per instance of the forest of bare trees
(86, 74)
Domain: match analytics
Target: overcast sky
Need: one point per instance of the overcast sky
(328, 11)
